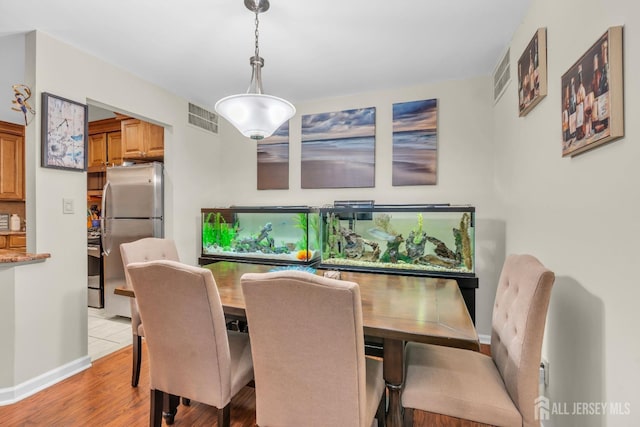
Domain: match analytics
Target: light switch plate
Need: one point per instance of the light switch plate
(67, 206)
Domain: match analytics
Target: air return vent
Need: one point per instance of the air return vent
(202, 118)
(501, 77)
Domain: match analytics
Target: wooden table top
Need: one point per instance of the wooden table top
(407, 308)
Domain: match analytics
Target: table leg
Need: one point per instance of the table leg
(393, 371)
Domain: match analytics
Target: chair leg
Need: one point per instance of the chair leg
(408, 417)
(170, 407)
(137, 360)
(156, 403)
(224, 416)
(381, 414)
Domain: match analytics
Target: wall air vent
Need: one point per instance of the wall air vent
(203, 119)
(501, 77)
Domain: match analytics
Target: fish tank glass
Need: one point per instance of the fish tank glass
(272, 235)
(429, 240)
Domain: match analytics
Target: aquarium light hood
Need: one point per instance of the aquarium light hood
(255, 114)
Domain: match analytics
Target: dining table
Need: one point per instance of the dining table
(395, 309)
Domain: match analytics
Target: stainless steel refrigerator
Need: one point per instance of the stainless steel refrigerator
(132, 208)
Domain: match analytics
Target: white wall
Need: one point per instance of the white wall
(50, 323)
(465, 164)
(578, 215)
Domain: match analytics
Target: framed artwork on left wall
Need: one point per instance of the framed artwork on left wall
(64, 133)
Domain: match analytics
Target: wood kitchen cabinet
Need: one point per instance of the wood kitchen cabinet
(142, 140)
(105, 145)
(14, 242)
(11, 161)
(105, 149)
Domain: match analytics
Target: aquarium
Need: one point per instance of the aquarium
(430, 240)
(270, 235)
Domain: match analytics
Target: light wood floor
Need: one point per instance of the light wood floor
(102, 396)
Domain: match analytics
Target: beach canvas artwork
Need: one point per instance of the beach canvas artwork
(415, 149)
(338, 149)
(273, 160)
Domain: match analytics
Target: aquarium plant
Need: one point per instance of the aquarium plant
(418, 236)
(300, 222)
(208, 234)
(217, 232)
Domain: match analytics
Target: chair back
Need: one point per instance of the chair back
(147, 249)
(307, 345)
(519, 315)
(185, 330)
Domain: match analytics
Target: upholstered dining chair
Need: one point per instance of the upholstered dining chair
(147, 249)
(191, 352)
(307, 342)
(500, 389)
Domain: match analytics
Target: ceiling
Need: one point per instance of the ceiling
(200, 49)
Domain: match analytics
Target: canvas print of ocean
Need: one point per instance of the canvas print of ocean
(273, 160)
(415, 148)
(338, 149)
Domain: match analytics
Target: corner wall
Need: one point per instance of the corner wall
(13, 67)
(578, 215)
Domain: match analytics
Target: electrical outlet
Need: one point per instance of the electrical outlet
(544, 372)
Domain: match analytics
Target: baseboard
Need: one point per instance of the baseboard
(11, 395)
(484, 339)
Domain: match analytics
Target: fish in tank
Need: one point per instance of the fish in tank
(412, 239)
(280, 235)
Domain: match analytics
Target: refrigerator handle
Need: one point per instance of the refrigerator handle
(106, 241)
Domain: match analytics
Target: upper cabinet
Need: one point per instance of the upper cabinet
(142, 140)
(112, 141)
(11, 161)
(105, 145)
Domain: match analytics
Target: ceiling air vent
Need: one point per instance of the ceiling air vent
(501, 77)
(202, 118)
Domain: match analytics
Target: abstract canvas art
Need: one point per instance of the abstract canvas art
(64, 133)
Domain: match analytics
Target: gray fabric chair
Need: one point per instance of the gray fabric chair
(307, 341)
(499, 389)
(147, 249)
(191, 353)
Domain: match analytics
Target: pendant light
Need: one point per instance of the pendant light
(255, 114)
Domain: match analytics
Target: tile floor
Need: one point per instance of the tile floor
(107, 333)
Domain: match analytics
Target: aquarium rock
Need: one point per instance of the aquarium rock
(263, 243)
(415, 250)
(354, 246)
(441, 249)
(393, 250)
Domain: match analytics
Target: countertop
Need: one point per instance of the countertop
(12, 233)
(7, 256)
